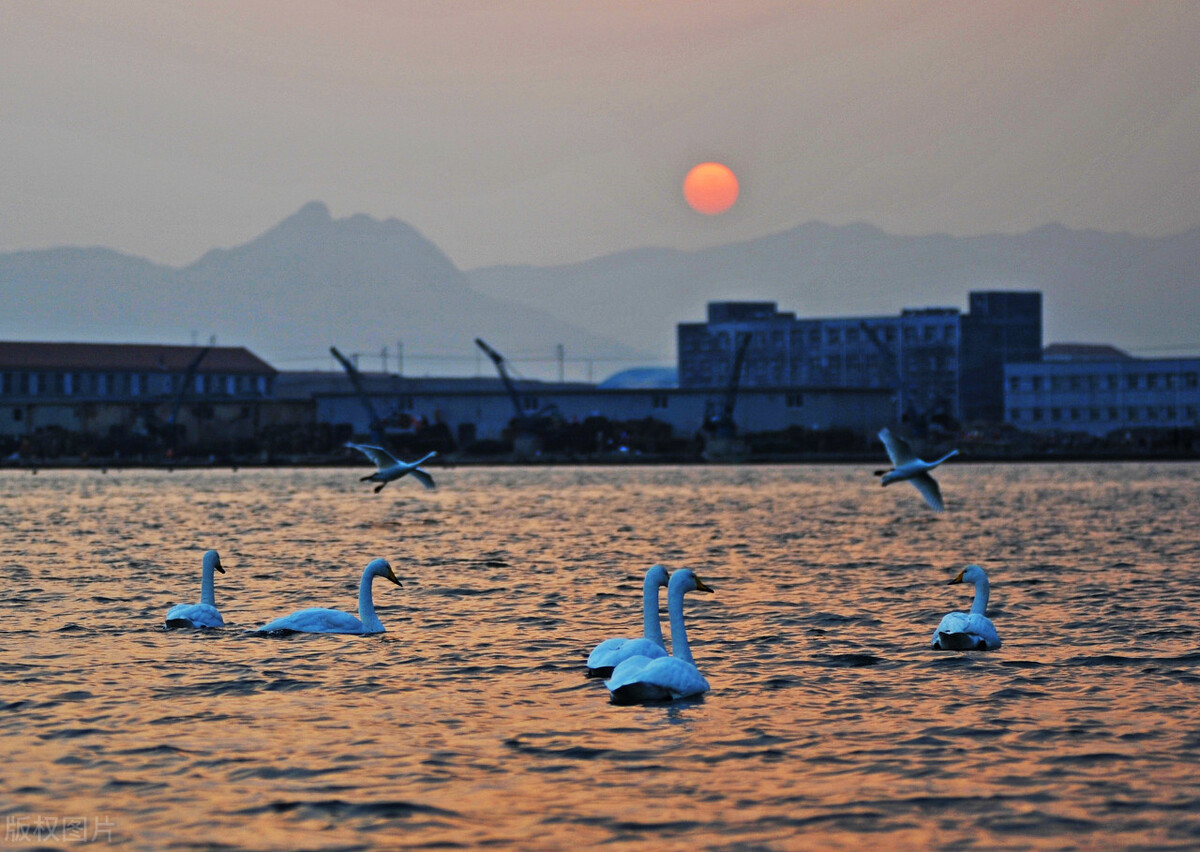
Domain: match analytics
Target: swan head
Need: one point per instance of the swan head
(970, 574)
(657, 576)
(212, 561)
(686, 579)
(381, 568)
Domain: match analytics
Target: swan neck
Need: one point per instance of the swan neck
(982, 590)
(366, 603)
(651, 626)
(207, 595)
(679, 642)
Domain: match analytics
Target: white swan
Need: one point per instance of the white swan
(205, 613)
(641, 679)
(317, 620)
(391, 468)
(906, 466)
(969, 631)
(610, 652)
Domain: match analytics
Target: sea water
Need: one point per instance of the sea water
(469, 724)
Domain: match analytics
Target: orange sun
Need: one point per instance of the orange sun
(710, 188)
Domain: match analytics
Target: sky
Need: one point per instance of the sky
(552, 131)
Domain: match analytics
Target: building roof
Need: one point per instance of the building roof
(1084, 352)
(129, 357)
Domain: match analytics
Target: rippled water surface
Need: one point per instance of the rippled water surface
(469, 724)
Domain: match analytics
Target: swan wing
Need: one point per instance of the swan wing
(966, 631)
(381, 457)
(314, 621)
(929, 489)
(194, 615)
(640, 679)
(423, 478)
(610, 653)
(897, 448)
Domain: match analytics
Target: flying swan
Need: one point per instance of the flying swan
(968, 631)
(205, 613)
(607, 654)
(391, 468)
(641, 679)
(906, 466)
(318, 620)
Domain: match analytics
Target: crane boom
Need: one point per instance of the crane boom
(356, 381)
(498, 360)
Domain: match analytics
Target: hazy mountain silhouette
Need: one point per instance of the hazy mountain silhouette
(360, 284)
(1132, 291)
(310, 282)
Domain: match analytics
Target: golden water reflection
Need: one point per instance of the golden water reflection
(469, 723)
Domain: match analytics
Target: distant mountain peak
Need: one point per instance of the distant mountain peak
(314, 213)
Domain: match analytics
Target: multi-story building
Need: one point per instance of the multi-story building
(1001, 327)
(939, 362)
(103, 388)
(1099, 389)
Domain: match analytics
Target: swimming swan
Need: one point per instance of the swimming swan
(391, 468)
(906, 466)
(607, 654)
(641, 679)
(331, 620)
(203, 614)
(968, 631)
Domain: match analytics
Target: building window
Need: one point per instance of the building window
(833, 335)
(199, 384)
(530, 403)
(1131, 381)
(1056, 414)
(795, 400)
(1170, 412)
(1189, 380)
(1037, 414)
(1074, 413)
(1014, 414)
(18, 414)
(1113, 381)
(1132, 413)
(1114, 414)
(1014, 383)
(1151, 381)
(659, 400)
(1035, 382)
(1075, 383)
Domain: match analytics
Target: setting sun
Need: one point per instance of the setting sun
(710, 188)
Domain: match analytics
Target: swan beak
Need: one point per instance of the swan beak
(218, 566)
(392, 576)
(957, 579)
(701, 586)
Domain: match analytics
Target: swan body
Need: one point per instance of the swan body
(640, 679)
(316, 620)
(205, 613)
(907, 467)
(390, 468)
(610, 652)
(968, 631)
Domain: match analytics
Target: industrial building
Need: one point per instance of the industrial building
(122, 391)
(940, 363)
(1098, 390)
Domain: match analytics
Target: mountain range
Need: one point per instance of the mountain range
(361, 284)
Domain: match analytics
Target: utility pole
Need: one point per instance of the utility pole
(399, 357)
(560, 352)
(383, 357)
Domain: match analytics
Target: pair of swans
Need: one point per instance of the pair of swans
(640, 670)
(312, 620)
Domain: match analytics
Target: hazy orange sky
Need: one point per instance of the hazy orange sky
(546, 132)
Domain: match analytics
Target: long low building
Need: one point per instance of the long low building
(476, 409)
(127, 388)
(1098, 390)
